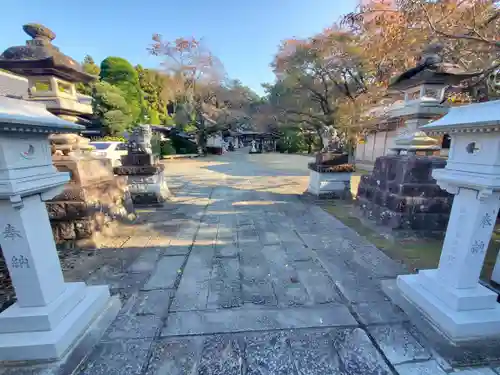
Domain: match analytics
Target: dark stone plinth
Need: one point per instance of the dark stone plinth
(402, 194)
(145, 170)
(146, 198)
(331, 158)
(139, 159)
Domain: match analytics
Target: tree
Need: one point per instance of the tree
(154, 84)
(90, 67)
(110, 108)
(394, 36)
(120, 73)
(199, 74)
(316, 76)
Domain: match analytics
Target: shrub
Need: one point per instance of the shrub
(112, 138)
(167, 148)
(281, 146)
(156, 144)
(341, 168)
(183, 145)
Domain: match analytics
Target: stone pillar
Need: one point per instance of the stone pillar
(469, 232)
(451, 296)
(36, 275)
(50, 316)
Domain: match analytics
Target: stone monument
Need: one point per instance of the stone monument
(87, 208)
(451, 296)
(94, 197)
(401, 193)
(146, 178)
(50, 316)
(253, 150)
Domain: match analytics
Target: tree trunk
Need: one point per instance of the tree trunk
(318, 132)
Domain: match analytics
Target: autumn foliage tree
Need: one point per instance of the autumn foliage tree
(198, 72)
(204, 99)
(318, 75)
(393, 36)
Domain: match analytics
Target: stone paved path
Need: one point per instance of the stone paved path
(238, 275)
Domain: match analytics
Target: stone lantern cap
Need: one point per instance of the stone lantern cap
(40, 57)
(430, 70)
(28, 117)
(476, 117)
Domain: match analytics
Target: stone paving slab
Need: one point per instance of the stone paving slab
(313, 353)
(379, 312)
(192, 293)
(268, 354)
(318, 284)
(145, 262)
(222, 355)
(124, 357)
(177, 356)
(225, 286)
(128, 326)
(153, 302)
(420, 368)
(358, 354)
(166, 273)
(242, 320)
(398, 345)
(287, 286)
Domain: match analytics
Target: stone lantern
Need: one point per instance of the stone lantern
(424, 89)
(50, 316)
(451, 296)
(51, 74)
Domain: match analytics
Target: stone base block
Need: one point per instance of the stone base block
(45, 318)
(139, 159)
(53, 344)
(148, 189)
(478, 298)
(329, 184)
(456, 325)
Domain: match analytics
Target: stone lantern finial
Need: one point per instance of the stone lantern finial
(39, 32)
(431, 54)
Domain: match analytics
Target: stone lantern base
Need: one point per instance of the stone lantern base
(146, 178)
(402, 195)
(460, 314)
(49, 332)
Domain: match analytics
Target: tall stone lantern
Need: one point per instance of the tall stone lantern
(424, 92)
(451, 296)
(51, 74)
(50, 316)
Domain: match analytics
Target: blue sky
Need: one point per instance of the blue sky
(243, 34)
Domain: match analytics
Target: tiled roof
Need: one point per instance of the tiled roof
(13, 85)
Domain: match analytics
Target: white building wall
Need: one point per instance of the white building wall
(370, 141)
(377, 144)
(214, 141)
(379, 147)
